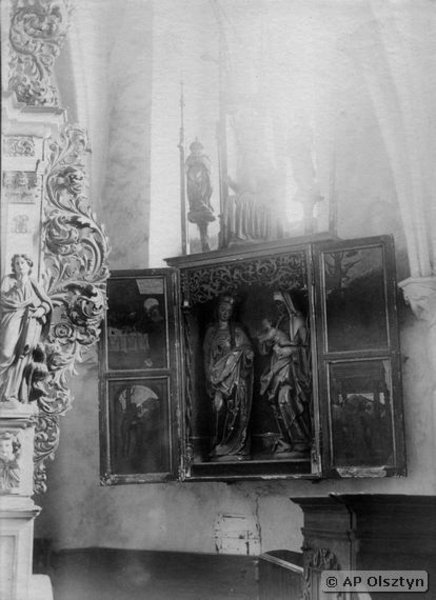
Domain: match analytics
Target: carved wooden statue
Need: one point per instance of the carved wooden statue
(199, 190)
(228, 363)
(25, 321)
(286, 382)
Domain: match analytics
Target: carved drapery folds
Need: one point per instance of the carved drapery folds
(75, 254)
(204, 283)
(37, 34)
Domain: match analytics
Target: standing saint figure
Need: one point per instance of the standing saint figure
(199, 190)
(286, 382)
(228, 365)
(25, 319)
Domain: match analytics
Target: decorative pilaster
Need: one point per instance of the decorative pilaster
(45, 214)
(37, 34)
(17, 509)
(75, 257)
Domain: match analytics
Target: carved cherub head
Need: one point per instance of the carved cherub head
(9, 447)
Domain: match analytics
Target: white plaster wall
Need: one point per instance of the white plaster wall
(180, 516)
(183, 34)
(104, 75)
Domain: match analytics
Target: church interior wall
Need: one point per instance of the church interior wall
(128, 64)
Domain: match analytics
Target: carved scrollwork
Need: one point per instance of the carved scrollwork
(316, 561)
(37, 34)
(21, 146)
(10, 448)
(75, 255)
(286, 271)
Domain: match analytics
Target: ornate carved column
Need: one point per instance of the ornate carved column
(37, 33)
(47, 224)
(23, 180)
(17, 509)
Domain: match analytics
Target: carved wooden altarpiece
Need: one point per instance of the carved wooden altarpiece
(331, 410)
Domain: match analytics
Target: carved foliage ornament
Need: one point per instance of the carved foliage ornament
(37, 33)
(22, 146)
(10, 448)
(287, 272)
(318, 560)
(75, 256)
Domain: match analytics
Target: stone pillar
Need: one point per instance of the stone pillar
(17, 509)
(420, 295)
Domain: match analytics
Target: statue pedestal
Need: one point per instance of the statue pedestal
(17, 509)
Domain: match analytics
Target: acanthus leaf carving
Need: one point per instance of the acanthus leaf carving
(75, 256)
(37, 33)
(21, 146)
(316, 561)
(10, 472)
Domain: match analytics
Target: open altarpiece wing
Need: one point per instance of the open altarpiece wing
(302, 380)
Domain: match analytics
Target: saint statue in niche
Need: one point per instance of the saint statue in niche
(25, 322)
(286, 382)
(228, 365)
(9, 468)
